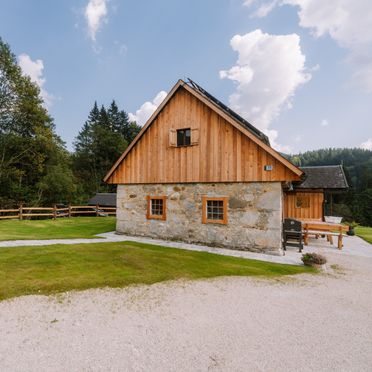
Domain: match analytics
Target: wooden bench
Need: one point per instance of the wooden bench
(324, 228)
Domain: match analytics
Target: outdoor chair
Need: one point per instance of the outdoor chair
(292, 234)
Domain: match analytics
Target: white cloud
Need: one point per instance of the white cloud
(324, 123)
(315, 68)
(248, 2)
(366, 145)
(147, 109)
(348, 22)
(267, 73)
(34, 69)
(95, 13)
(264, 9)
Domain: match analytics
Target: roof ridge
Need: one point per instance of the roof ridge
(320, 166)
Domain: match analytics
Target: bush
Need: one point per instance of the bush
(311, 259)
(352, 225)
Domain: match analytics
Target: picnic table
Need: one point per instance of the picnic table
(314, 227)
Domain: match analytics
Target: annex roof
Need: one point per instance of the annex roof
(323, 177)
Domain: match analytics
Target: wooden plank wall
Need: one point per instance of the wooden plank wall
(314, 212)
(223, 154)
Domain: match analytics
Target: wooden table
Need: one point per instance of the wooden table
(313, 227)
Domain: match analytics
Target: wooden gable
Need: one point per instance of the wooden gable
(219, 151)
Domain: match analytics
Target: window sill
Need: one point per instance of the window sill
(217, 222)
(156, 217)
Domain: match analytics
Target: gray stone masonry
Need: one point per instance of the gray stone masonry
(254, 214)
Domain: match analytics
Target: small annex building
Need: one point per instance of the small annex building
(312, 198)
(200, 173)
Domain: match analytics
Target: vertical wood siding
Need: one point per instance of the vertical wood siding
(223, 153)
(315, 210)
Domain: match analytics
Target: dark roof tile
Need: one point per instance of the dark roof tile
(106, 199)
(323, 177)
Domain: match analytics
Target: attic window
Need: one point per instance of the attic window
(302, 202)
(184, 137)
(156, 207)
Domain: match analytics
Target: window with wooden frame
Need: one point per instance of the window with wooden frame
(302, 201)
(214, 210)
(183, 137)
(156, 207)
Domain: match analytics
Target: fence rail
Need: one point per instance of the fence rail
(53, 212)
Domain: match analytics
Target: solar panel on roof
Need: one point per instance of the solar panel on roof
(230, 112)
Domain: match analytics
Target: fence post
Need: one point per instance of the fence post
(69, 210)
(20, 214)
(54, 211)
(97, 207)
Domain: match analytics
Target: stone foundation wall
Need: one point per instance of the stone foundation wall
(254, 214)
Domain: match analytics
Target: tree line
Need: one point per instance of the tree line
(35, 166)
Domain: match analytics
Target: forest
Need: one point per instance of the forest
(37, 169)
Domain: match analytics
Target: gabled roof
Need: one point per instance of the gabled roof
(323, 177)
(230, 116)
(105, 199)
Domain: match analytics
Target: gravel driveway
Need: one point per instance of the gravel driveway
(304, 323)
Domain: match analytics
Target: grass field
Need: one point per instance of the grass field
(59, 268)
(365, 233)
(64, 228)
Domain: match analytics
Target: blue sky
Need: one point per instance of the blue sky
(299, 70)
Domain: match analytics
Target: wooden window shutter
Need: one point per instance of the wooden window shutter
(172, 137)
(195, 136)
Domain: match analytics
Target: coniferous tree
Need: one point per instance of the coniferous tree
(97, 147)
(121, 124)
(131, 131)
(115, 118)
(84, 138)
(104, 120)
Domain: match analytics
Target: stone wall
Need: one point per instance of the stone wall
(254, 214)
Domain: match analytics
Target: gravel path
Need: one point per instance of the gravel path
(304, 323)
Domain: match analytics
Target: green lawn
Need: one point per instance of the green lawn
(64, 228)
(59, 268)
(365, 233)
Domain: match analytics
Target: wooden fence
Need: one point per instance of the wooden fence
(54, 212)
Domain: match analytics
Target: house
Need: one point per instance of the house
(313, 197)
(198, 172)
(103, 199)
